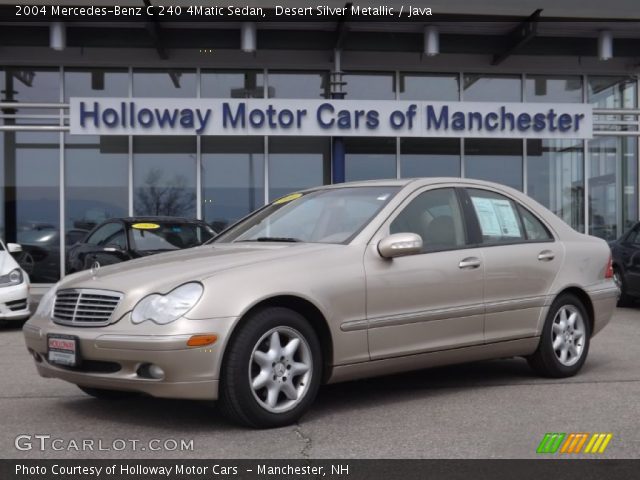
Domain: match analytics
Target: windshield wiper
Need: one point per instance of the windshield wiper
(273, 239)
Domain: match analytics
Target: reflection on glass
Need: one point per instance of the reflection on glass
(296, 163)
(416, 86)
(546, 88)
(230, 84)
(164, 176)
(490, 88)
(29, 85)
(369, 86)
(370, 158)
(232, 178)
(429, 157)
(95, 82)
(96, 177)
(613, 187)
(174, 82)
(612, 92)
(32, 207)
(555, 178)
(498, 161)
(299, 84)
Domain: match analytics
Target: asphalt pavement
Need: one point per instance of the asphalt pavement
(495, 409)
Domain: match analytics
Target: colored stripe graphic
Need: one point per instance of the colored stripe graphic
(550, 442)
(568, 443)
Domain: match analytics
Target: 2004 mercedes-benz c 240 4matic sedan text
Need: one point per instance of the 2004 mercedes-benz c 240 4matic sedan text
(332, 284)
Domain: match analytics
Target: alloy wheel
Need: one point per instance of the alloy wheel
(568, 335)
(280, 369)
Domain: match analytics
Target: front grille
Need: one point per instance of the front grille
(85, 307)
(17, 305)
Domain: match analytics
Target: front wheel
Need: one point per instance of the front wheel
(564, 343)
(272, 369)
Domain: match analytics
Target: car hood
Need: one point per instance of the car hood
(165, 271)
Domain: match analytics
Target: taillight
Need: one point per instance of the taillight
(608, 273)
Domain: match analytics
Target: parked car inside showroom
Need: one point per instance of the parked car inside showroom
(626, 265)
(14, 285)
(120, 239)
(332, 284)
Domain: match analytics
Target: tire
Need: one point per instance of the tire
(547, 360)
(257, 363)
(625, 299)
(104, 394)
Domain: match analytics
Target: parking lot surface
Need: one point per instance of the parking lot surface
(496, 409)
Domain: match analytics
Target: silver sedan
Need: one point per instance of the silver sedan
(332, 284)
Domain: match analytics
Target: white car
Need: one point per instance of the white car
(14, 285)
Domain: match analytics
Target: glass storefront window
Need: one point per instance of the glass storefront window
(95, 82)
(296, 163)
(369, 86)
(232, 84)
(613, 187)
(429, 157)
(492, 88)
(298, 84)
(553, 88)
(174, 82)
(232, 178)
(29, 85)
(612, 92)
(32, 206)
(497, 161)
(164, 176)
(369, 158)
(96, 179)
(440, 87)
(555, 178)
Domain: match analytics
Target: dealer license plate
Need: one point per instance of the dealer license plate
(62, 350)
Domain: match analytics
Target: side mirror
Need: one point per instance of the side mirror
(14, 248)
(400, 244)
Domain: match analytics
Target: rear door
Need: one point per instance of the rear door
(521, 260)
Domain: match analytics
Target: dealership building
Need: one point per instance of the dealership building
(213, 117)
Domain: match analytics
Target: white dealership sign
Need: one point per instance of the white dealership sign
(343, 118)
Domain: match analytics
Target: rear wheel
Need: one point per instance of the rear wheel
(625, 300)
(564, 343)
(272, 369)
(104, 394)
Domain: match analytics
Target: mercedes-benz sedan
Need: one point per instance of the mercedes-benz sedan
(332, 284)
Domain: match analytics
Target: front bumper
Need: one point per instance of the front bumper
(14, 302)
(112, 357)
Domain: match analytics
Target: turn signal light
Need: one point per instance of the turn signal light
(201, 340)
(609, 271)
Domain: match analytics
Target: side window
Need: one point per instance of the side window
(104, 234)
(435, 216)
(533, 227)
(498, 217)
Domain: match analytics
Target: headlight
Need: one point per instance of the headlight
(14, 277)
(163, 309)
(46, 303)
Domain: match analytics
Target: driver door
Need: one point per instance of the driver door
(429, 301)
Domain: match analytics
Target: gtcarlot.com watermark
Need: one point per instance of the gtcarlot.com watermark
(45, 442)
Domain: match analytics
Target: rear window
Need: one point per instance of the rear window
(162, 236)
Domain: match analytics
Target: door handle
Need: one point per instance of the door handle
(546, 256)
(110, 249)
(469, 263)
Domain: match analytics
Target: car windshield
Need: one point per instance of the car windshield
(156, 236)
(321, 216)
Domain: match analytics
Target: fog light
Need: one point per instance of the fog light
(149, 370)
(36, 356)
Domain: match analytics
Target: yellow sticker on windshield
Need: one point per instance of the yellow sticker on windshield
(145, 226)
(287, 198)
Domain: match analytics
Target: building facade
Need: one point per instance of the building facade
(56, 185)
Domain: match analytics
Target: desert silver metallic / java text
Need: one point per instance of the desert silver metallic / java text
(568, 335)
(280, 369)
